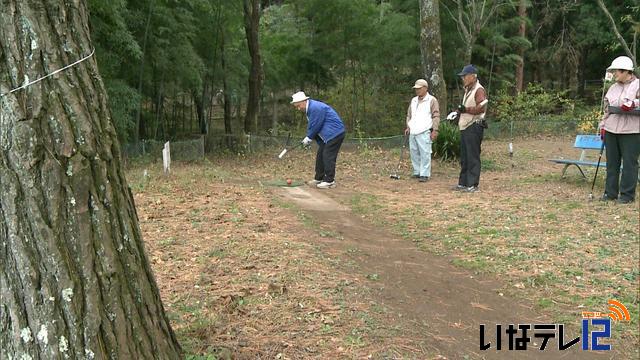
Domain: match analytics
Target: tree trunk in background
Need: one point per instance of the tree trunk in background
(75, 282)
(274, 115)
(522, 13)
(580, 91)
(251, 26)
(431, 50)
(139, 124)
(199, 101)
(225, 92)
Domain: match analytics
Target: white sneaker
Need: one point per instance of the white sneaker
(313, 182)
(326, 185)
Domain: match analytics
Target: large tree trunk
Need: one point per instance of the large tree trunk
(522, 13)
(75, 282)
(431, 49)
(251, 26)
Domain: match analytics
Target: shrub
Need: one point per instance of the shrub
(588, 123)
(447, 144)
(530, 104)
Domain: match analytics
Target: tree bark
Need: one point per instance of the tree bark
(522, 13)
(431, 49)
(251, 26)
(75, 282)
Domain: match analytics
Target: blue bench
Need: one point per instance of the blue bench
(583, 142)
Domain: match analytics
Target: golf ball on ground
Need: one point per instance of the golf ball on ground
(288, 181)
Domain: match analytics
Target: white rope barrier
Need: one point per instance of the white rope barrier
(27, 84)
(48, 75)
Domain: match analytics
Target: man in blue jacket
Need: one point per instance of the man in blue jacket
(326, 128)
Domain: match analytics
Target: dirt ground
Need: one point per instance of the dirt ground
(250, 268)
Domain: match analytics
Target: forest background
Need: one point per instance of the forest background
(183, 69)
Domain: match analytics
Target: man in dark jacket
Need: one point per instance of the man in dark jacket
(326, 128)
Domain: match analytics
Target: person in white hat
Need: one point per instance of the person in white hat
(327, 129)
(620, 129)
(423, 118)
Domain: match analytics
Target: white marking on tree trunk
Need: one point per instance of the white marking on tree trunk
(63, 345)
(67, 294)
(90, 354)
(43, 335)
(25, 334)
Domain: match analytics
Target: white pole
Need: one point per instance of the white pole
(166, 158)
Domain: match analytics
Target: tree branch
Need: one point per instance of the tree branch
(615, 30)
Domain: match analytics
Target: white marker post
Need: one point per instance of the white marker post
(166, 158)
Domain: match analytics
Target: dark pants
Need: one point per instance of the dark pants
(470, 141)
(625, 149)
(326, 159)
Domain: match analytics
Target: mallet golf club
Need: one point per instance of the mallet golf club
(285, 150)
(395, 175)
(593, 183)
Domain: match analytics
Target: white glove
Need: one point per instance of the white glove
(452, 115)
(306, 141)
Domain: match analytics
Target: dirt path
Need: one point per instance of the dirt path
(445, 303)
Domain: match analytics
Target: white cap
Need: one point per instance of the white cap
(621, 63)
(299, 96)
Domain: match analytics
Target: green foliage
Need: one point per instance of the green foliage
(123, 101)
(159, 57)
(447, 144)
(286, 44)
(589, 120)
(530, 104)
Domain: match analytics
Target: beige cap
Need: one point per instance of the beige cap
(420, 83)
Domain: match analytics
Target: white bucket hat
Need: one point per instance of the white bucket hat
(299, 96)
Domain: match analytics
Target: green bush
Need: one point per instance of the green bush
(447, 144)
(530, 104)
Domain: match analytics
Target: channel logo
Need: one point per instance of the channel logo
(596, 326)
(618, 312)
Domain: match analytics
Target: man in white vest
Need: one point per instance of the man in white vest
(423, 118)
(472, 125)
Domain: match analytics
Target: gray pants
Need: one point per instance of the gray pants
(420, 147)
(622, 149)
